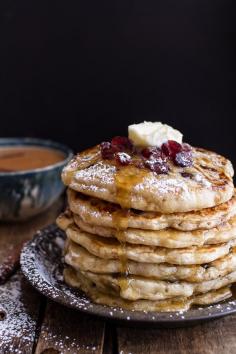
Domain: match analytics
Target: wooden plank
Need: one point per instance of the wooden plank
(13, 236)
(19, 306)
(212, 337)
(67, 331)
(110, 343)
(19, 302)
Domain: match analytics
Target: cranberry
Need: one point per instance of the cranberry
(122, 158)
(158, 166)
(183, 159)
(121, 143)
(171, 148)
(151, 151)
(106, 150)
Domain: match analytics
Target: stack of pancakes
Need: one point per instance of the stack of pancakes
(146, 241)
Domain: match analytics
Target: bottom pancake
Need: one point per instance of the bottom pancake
(139, 288)
(78, 280)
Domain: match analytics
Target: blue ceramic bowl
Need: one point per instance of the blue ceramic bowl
(24, 194)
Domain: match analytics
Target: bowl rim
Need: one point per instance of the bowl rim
(37, 142)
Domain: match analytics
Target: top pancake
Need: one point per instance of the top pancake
(206, 184)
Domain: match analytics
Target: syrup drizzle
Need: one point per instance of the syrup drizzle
(120, 223)
(126, 179)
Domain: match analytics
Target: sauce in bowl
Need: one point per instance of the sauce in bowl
(24, 158)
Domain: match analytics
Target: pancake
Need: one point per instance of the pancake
(77, 280)
(138, 288)
(169, 238)
(110, 248)
(206, 184)
(101, 213)
(80, 259)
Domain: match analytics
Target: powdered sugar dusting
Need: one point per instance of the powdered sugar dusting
(164, 186)
(103, 172)
(17, 327)
(68, 343)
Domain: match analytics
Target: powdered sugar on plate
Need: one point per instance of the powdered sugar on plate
(18, 316)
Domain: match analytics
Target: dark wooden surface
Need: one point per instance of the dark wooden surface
(29, 323)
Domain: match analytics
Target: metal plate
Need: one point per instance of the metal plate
(41, 263)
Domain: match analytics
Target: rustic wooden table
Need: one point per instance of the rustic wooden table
(30, 323)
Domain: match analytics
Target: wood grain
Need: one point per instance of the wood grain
(67, 331)
(12, 235)
(19, 308)
(212, 337)
(110, 343)
(19, 302)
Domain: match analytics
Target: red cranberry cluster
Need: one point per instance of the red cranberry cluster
(121, 149)
(155, 159)
(180, 154)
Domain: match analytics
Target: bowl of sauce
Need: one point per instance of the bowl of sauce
(30, 176)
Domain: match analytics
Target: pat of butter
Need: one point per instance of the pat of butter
(153, 134)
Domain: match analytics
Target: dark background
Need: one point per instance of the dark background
(80, 71)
